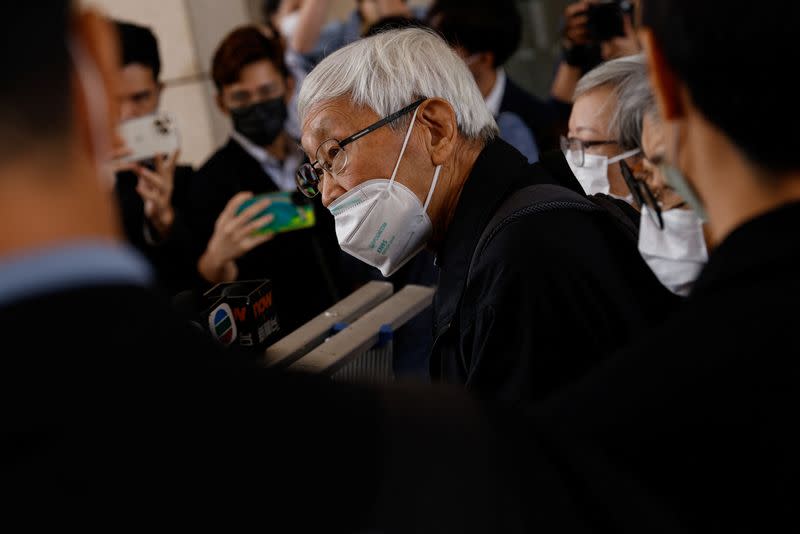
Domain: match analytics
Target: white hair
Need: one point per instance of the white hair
(390, 70)
(632, 97)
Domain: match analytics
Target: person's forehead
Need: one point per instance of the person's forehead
(592, 111)
(255, 75)
(135, 77)
(333, 119)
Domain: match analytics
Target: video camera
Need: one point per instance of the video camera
(606, 19)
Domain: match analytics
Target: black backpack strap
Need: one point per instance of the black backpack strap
(538, 199)
(623, 220)
(527, 201)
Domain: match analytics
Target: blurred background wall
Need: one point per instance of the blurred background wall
(188, 32)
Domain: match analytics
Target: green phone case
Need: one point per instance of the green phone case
(288, 216)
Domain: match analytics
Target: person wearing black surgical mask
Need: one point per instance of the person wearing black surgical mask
(254, 88)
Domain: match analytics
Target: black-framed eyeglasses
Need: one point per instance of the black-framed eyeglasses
(331, 156)
(574, 148)
(642, 195)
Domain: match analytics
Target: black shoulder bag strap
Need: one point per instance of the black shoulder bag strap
(538, 199)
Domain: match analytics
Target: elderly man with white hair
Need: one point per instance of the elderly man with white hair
(537, 283)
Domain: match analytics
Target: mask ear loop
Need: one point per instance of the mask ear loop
(677, 181)
(433, 187)
(403, 150)
(624, 155)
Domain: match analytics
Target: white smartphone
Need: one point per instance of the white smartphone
(149, 136)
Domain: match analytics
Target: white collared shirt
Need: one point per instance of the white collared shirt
(495, 97)
(281, 173)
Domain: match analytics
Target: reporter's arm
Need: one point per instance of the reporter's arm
(234, 236)
(313, 14)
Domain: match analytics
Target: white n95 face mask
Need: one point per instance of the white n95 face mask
(677, 253)
(382, 222)
(593, 176)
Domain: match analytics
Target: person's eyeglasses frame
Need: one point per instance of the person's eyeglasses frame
(642, 195)
(309, 186)
(566, 143)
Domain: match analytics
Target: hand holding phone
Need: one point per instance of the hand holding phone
(236, 232)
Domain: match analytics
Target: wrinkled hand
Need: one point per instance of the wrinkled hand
(234, 236)
(622, 46)
(156, 188)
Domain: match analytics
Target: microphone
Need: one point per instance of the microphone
(242, 312)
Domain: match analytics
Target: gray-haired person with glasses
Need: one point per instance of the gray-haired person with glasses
(405, 155)
(599, 138)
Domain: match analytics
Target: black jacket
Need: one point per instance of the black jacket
(174, 269)
(692, 429)
(546, 120)
(551, 295)
(303, 265)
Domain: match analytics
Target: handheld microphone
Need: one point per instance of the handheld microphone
(242, 312)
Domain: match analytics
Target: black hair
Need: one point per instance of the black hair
(736, 59)
(479, 26)
(35, 88)
(139, 45)
(269, 8)
(241, 47)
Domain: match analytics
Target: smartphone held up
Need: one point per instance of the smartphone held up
(148, 136)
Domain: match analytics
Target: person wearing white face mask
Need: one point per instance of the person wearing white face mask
(524, 263)
(671, 238)
(597, 141)
(676, 248)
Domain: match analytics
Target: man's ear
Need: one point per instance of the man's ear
(440, 128)
(666, 86)
(221, 103)
(99, 40)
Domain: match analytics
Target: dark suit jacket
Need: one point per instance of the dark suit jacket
(174, 269)
(546, 120)
(693, 428)
(303, 265)
(552, 295)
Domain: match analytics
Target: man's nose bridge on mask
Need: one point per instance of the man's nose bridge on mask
(328, 189)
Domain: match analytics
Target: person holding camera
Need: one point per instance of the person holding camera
(152, 192)
(593, 31)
